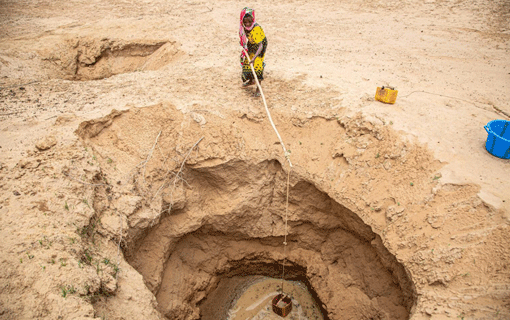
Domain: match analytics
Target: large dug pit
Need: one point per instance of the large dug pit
(237, 231)
(191, 228)
(93, 59)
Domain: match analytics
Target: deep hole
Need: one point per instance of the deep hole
(194, 264)
(227, 221)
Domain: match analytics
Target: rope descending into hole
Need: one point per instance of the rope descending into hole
(287, 156)
(286, 153)
(285, 237)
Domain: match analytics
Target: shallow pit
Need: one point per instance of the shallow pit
(93, 59)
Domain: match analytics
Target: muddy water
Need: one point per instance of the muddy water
(254, 302)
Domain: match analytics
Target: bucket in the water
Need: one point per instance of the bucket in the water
(282, 305)
(498, 140)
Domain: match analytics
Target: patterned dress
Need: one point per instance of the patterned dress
(255, 37)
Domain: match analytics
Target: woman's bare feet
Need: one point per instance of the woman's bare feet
(248, 83)
(259, 87)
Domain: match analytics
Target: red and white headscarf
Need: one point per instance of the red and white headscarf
(243, 39)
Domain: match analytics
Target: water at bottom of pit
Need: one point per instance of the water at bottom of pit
(252, 300)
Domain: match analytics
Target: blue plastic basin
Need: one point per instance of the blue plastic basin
(498, 140)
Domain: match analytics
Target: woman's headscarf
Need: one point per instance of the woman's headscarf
(243, 39)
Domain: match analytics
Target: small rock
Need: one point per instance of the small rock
(16, 193)
(175, 199)
(19, 174)
(428, 311)
(65, 118)
(435, 221)
(23, 163)
(129, 204)
(26, 164)
(108, 283)
(110, 224)
(46, 143)
(200, 119)
(438, 278)
(393, 212)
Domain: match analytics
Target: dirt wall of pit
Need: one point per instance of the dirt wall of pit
(159, 206)
(184, 229)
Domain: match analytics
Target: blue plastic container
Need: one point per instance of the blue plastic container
(498, 140)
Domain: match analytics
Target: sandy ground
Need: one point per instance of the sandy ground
(448, 59)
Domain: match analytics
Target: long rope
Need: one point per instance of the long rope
(287, 156)
(285, 238)
(267, 109)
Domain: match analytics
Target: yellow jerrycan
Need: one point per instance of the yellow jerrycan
(386, 94)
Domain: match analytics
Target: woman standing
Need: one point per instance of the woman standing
(253, 40)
